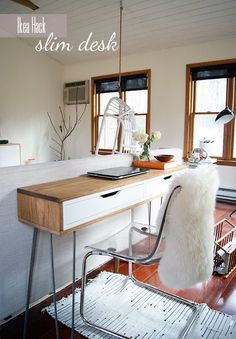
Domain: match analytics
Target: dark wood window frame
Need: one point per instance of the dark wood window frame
(228, 141)
(95, 106)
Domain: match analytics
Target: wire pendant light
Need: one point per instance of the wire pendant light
(118, 109)
(120, 45)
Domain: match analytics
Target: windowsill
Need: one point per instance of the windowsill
(221, 162)
(103, 152)
(226, 162)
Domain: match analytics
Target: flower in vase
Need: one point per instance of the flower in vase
(140, 137)
(145, 141)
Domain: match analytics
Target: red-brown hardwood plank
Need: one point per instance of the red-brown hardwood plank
(227, 301)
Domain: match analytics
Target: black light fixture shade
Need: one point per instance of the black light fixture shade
(224, 116)
(26, 3)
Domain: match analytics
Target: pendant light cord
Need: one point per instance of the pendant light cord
(120, 42)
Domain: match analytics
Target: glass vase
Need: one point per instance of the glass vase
(145, 155)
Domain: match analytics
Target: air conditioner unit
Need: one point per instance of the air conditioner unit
(76, 93)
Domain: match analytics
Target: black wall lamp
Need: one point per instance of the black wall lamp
(224, 116)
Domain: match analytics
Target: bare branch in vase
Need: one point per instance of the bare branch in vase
(64, 130)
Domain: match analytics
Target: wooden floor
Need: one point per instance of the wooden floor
(219, 293)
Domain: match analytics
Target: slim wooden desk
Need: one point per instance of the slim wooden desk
(68, 205)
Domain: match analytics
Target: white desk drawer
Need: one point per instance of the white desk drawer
(157, 187)
(79, 211)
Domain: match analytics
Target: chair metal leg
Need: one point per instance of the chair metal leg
(82, 297)
(130, 265)
(54, 285)
(30, 278)
(73, 287)
(185, 330)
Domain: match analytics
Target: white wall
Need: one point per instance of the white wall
(168, 89)
(31, 85)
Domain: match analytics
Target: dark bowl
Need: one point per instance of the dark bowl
(164, 157)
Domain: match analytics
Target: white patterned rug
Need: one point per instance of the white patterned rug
(139, 313)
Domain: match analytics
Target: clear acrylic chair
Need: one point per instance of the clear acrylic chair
(140, 244)
(125, 126)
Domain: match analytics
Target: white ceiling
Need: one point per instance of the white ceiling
(147, 24)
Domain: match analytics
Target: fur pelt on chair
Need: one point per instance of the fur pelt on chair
(188, 255)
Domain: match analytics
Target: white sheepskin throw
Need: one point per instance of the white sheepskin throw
(189, 229)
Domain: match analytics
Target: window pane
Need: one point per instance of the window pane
(137, 100)
(109, 131)
(205, 128)
(104, 98)
(141, 123)
(211, 95)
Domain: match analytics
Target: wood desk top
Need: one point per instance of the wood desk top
(84, 185)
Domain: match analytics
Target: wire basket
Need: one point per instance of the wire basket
(225, 247)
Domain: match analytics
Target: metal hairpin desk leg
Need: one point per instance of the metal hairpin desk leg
(149, 212)
(149, 206)
(130, 265)
(73, 286)
(32, 259)
(53, 286)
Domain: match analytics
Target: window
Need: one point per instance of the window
(210, 87)
(135, 91)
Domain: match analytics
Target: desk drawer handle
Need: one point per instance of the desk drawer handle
(168, 177)
(107, 195)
